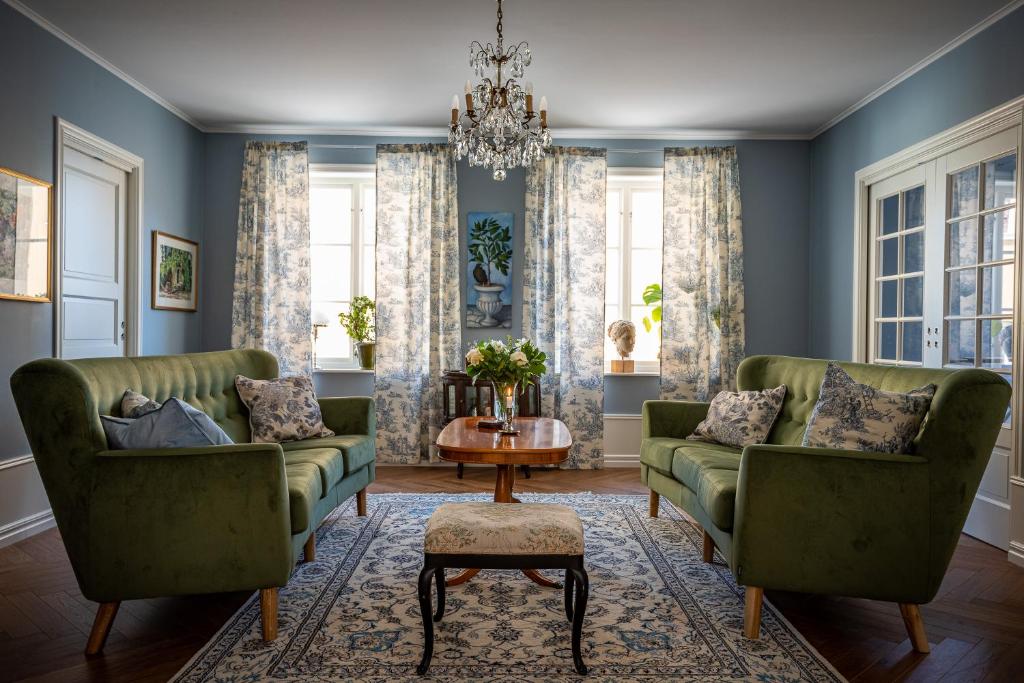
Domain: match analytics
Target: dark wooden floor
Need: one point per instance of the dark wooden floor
(976, 625)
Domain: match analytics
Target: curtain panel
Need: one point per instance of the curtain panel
(702, 334)
(419, 302)
(563, 291)
(271, 300)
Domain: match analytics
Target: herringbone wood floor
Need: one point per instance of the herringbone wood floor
(976, 625)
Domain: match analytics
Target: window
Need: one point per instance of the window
(634, 259)
(900, 278)
(342, 229)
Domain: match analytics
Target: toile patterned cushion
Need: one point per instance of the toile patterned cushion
(283, 409)
(134, 405)
(740, 418)
(858, 417)
(481, 528)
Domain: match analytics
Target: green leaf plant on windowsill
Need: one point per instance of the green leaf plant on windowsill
(360, 323)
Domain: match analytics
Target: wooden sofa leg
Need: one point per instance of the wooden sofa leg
(361, 503)
(655, 501)
(309, 550)
(101, 627)
(752, 612)
(268, 613)
(915, 627)
(708, 551)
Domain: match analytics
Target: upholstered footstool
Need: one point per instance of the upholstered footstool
(504, 536)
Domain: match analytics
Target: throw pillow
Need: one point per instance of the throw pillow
(283, 409)
(175, 424)
(741, 418)
(135, 405)
(857, 417)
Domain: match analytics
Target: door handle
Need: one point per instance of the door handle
(123, 336)
(122, 324)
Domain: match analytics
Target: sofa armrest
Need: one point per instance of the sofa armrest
(673, 419)
(820, 520)
(350, 415)
(188, 520)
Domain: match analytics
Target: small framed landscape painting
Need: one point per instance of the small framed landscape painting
(488, 281)
(26, 222)
(175, 270)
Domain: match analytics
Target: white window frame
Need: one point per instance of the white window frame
(627, 179)
(357, 176)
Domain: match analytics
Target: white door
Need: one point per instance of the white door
(93, 252)
(943, 258)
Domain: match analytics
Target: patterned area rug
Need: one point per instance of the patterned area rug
(656, 611)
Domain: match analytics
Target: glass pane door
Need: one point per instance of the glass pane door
(980, 263)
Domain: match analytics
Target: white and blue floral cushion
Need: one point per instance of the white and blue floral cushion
(135, 405)
(282, 409)
(740, 418)
(858, 417)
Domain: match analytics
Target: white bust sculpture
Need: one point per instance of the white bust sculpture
(623, 334)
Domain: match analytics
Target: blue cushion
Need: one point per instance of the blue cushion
(175, 425)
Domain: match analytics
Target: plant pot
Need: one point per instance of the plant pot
(488, 302)
(366, 351)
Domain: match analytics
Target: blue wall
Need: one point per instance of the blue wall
(775, 177)
(981, 74)
(43, 78)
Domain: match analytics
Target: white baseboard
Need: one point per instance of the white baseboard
(1016, 553)
(24, 507)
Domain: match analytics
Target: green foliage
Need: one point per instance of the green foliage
(497, 361)
(652, 295)
(361, 322)
(489, 246)
(175, 269)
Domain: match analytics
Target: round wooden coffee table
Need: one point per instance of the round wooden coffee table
(541, 441)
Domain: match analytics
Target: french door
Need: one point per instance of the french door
(943, 282)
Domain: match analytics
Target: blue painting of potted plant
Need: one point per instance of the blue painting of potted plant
(360, 323)
(490, 250)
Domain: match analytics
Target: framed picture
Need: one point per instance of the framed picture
(26, 231)
(175, 273)
(489, 268)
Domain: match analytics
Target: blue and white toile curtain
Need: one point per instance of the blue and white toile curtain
(702, 310)
(563, 291)
(271, 302)
(419, 302)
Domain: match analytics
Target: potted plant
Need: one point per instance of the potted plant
(507, 365)
(360, 325)
(489, 248)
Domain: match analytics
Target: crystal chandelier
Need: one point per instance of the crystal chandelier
(499, 113)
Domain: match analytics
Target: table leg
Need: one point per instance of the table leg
(463, 577)
(503, 483)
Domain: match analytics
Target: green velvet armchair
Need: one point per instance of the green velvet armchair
(150, 523)
(869, 525)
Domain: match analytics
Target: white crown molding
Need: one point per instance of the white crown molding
(933, 57)
(558, 133)
(45, 24)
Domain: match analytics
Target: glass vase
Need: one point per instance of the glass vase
(506, 403)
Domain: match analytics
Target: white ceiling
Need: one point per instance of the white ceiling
(767, 66)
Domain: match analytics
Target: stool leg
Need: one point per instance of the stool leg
(568, 594)
(459, 469)
(428, 626)
(440, 594)
(582, 593)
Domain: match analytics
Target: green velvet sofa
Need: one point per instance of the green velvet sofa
(149, 523)
(812, 520)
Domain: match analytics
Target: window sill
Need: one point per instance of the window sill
(341, 371)
(638, 373)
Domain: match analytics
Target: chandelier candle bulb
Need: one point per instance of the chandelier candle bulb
(455, 109)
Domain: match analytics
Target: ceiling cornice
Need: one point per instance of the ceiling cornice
(933, 57)
(558, 133)
(59, 33)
